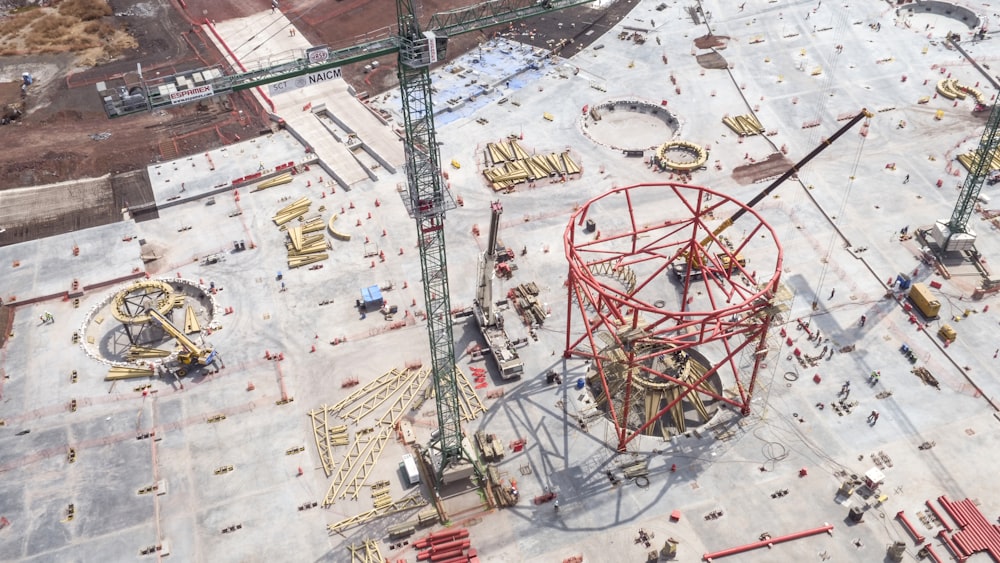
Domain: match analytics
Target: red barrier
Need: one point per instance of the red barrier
(766, 543)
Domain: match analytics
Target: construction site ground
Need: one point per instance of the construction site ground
(231, 450)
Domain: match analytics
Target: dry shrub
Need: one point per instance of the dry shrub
(102, 30)
(85, 10)
(81, 42)
(51, 28)
(11, 26)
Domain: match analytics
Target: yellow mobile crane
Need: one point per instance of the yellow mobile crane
(692, 265)
(191, 353)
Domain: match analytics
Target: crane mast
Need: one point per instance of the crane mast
(417, 52)
(956, 235)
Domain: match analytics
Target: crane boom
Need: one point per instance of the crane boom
(194, 85)
(864, 113)
(192, 352)
(487, 265)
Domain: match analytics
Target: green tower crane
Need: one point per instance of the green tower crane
(428, 202)
(955, 235)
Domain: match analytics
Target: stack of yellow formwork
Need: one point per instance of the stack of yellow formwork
(276, 181)
(969, 159)
(306, 243)
(744, 125)
(191, 325)
(125, 372)
(292, 211)
(512, 165)
(949, 88)
(142, 353)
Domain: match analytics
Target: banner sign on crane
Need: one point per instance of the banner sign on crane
(191, 94)
(317, 55)
(431, 46)
(290, 84)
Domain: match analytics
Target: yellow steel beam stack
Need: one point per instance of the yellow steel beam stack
(142, 352)
(519, 152)
(744, 125)
(306, 243)
(123, 372)
(571, 167)
(969, 159)
(276, 181)
(292, 211)
(511, 164)
(191, 325)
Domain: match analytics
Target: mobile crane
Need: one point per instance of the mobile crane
(490, 319)
(416, 51)
(191, 353)
(691, 264)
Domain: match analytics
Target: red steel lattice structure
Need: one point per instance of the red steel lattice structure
(662, 248)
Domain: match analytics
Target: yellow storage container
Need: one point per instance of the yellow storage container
(923, 300)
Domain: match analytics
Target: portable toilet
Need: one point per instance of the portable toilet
(409, 467)
(371, 298)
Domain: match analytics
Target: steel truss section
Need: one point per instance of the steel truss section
(368, 445)
(409, 502)
(470, 403)
(667, 307)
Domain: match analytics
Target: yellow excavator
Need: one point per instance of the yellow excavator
(192, 353)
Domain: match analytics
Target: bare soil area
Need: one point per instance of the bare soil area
(64, 133)
(771, 167)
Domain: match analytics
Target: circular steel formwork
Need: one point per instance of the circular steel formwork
(672, 310)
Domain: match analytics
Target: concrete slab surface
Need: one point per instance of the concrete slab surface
(838, 222)
(266, 38)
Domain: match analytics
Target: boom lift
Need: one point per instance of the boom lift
(416, 51)
(489, 317)
(191, 353)
(693, 263)
(955, 235)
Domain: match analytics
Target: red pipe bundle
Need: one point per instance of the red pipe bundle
(976, 534)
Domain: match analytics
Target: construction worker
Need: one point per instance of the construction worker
(873, 378)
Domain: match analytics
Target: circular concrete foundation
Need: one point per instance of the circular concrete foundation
(629, 125)
(119, 331)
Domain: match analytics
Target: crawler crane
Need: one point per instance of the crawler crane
(489, 317)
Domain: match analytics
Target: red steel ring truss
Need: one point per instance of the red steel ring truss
(630, 292)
